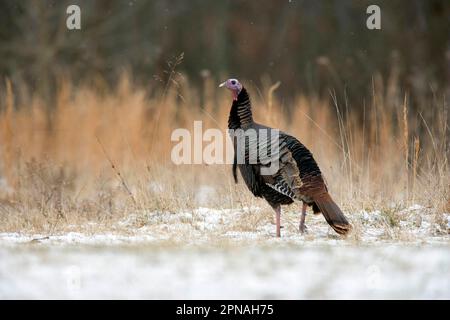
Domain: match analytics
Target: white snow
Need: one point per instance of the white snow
(279, 272)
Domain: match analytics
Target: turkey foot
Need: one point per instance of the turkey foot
(303, 229)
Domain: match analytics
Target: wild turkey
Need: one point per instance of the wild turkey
(298, 177)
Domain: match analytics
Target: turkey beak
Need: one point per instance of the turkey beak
(222, 84)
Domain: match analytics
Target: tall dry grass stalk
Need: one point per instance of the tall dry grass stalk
(405, 140)
(100, 156)
(414, 166)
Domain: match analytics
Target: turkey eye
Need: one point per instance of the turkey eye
(233, 82)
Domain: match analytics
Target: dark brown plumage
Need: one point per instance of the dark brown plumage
(298, 177)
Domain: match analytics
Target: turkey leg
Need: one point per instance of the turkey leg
(302, 226)
(278, 219)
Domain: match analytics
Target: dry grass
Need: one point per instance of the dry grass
(100, 156)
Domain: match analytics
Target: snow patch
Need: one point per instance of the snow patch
(211, 225)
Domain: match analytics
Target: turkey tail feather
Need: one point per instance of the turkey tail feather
(333, 215)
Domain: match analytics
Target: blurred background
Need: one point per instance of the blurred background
(310, 46)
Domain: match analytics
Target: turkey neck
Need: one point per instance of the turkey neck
(241, 112)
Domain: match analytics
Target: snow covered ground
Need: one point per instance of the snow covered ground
(231, 254)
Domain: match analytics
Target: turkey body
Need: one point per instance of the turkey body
(297, 177)
(265, 186)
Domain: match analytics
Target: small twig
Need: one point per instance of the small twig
(39, 239)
